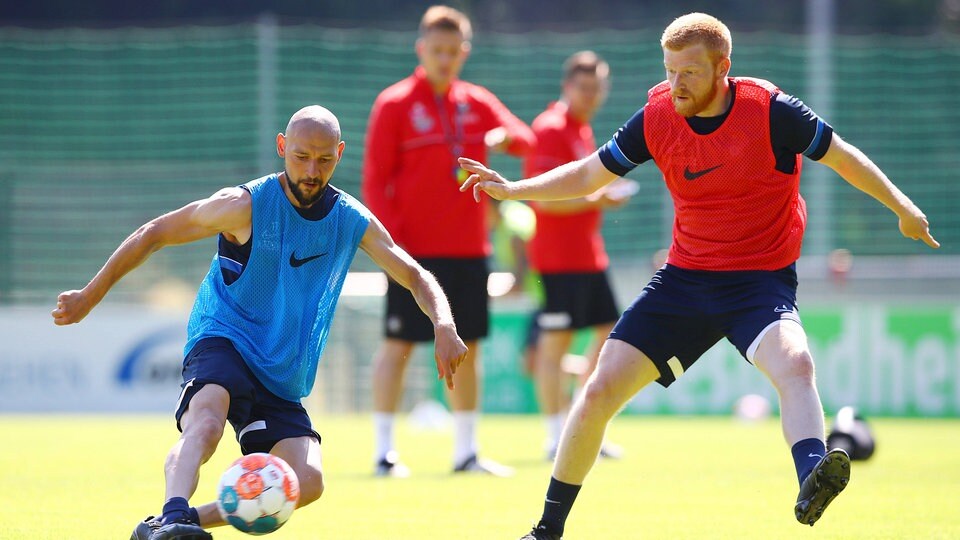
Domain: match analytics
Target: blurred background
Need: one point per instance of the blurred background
(114, 112)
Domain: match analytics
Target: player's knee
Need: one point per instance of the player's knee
(599, 395)
(390, 363)
(208, 430)
(799, 365)
(311, 486)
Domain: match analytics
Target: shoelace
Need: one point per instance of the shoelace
(544, 534)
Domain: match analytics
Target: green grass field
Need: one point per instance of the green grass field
(80, 477)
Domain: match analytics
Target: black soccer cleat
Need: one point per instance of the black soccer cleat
(145, 528)
(479, 465)
(822, 485)
(540, 533)
(390, 466)
(611, 451)
(180, 530)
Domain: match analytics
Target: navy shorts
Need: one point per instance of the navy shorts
(259, 418)
(464, 281)
(577, 300)
(682, 313)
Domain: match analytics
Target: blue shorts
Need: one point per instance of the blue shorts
(259, 418)
(682, 313)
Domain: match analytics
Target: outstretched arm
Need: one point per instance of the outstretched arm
(611, 196)
(226, 211)
(859, 171)
(449, 349)
(570, 181)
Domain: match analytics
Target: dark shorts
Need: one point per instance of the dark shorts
(682, 313)
(259, 418)
(465, 283)
(577, 300)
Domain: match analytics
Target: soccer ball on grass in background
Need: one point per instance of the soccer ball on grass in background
(752, 408)
(258, 493)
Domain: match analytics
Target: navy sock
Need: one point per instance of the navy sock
(806, 454)
(176, 508)
(194, 515)
(556, 507)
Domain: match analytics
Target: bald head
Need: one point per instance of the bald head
(313, 120)
(311, 149)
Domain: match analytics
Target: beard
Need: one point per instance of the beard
(694, 105)
(301, 195)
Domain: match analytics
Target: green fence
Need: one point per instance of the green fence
(102, 129)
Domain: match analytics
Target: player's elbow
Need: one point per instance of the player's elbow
(418, 282)
(151, 236)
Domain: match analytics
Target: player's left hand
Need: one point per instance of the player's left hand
(916, 227)
(449, 353)
(484, 179)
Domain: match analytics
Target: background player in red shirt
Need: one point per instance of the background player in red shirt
(730, 151)
(567, 248)
(417, 129)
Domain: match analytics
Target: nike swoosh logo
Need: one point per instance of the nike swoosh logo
(782, 309)
(814, 455)
(552, 501)
(296, 263)
(693, 175)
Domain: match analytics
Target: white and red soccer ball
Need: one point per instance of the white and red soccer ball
(258, 493)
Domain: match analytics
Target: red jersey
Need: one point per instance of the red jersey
(563, 243)
(411, 179)
(732, 209)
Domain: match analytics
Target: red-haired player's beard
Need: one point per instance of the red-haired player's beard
(693, 105)
(306, 194)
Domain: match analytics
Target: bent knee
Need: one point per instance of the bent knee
(599, 393)
(206, 428)
(311, 487)
(799, 365)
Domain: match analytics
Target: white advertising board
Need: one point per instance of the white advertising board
(119, 359)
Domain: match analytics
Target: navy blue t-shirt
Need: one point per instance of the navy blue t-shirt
(794, 129)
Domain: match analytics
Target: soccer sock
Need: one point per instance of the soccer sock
(557, 505)
(194, 515)
(383, 433)
(806, 454)
(175, 509)
(465, 435)
(555, 428)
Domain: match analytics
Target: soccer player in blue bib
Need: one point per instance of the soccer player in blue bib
(262, 314)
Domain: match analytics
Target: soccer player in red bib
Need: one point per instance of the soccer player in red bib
(418, 128)
(566, 249)
(730, 150)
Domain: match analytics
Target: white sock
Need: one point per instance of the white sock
(382, 434)
(465, 435)
(555, 428)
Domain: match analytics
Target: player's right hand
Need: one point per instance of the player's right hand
(484, 179)
(72, 307)
(916, 227)
(449, 353)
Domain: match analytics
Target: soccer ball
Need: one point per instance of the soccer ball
(752, 408)
(257, 494)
